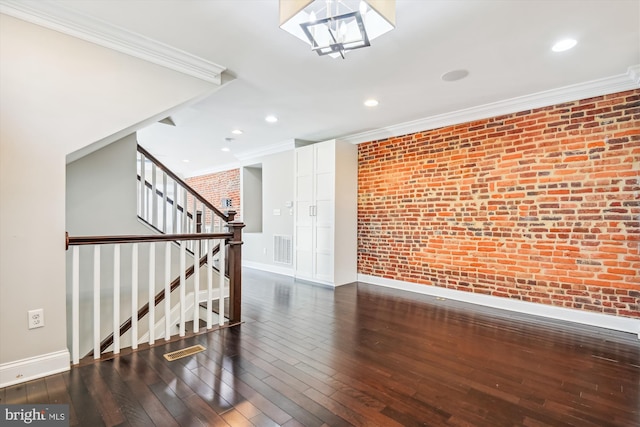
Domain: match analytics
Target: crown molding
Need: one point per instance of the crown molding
(634, 74)
(54, 16)
(619, 83)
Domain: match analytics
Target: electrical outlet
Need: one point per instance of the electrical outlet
(36, 318)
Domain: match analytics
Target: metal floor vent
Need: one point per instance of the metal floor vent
(179, 354)
(282, 252)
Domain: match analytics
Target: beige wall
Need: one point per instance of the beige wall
(57, 95)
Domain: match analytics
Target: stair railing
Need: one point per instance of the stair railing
(170, 205)
(161, 296)
(232, 239)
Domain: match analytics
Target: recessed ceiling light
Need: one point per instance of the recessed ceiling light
(371, 102)
(186, 160)
(225, 149)
(563, 45)
(452, 76)
(271, 119)
(236, 132)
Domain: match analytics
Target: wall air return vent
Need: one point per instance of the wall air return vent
(282, 252)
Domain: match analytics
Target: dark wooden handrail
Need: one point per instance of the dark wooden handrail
(106, 240)
(194, 193)
(160, 296)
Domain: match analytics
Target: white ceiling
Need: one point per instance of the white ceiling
(505, 46)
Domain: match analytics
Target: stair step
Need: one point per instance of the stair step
(189, 325)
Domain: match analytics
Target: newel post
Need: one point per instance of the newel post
(235, 270)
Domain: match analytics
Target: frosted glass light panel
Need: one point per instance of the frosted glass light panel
(333, 27)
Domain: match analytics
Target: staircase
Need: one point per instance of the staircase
(160, 281)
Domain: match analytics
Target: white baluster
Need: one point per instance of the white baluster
(182, 285)
(207, 227)
(116, 299)
(134, 296)
(152, 293)
(154, 195)
(196, 286)
(185, 215)
(75, 305)
(164, 227)
(174, 211)
(221, 283)
(209, 284)
(143, 188)
(194, 227)
(96, 302)
(167, 291)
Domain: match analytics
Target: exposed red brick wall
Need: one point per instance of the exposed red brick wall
(216, 186)
(541, 205)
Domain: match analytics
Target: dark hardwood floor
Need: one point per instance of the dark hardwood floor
(361, 355)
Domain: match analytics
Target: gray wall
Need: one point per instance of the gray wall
(252, 198)
(277, 190)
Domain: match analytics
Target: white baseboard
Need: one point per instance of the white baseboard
(285, 271)
(618, 323)
(33, 368)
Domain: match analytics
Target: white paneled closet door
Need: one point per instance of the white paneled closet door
(324, 184)
(304, 160)
(316, 213)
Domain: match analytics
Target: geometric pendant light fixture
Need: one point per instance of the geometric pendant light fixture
(334, 27)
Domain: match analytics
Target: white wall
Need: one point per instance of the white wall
(57, 95)
(277, 190)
